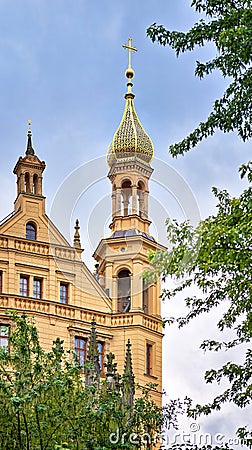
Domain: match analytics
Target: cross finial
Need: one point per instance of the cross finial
(29, 124)
(130, 50)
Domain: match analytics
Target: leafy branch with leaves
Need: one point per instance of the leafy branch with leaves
(228, 26)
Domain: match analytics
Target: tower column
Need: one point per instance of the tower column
(20, 184)
(114, 294)
(141, 204)
(125, 204)
(134, 199)
(136, 299)
(118, 202)
(145, 204)
(40, 185)
(30, 185)
(113, 196)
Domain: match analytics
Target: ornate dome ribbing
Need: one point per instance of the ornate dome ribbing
(130, 140)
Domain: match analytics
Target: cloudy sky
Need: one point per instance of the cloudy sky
(62, 65)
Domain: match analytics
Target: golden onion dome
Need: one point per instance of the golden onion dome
(130, 139)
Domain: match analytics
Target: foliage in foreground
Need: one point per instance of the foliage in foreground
(228, 27)
(45, 403)
(217, 258)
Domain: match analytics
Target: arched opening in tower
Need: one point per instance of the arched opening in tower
(124, 291)
(35, 184)
(126, 191)
(27, 183)
(140, 195)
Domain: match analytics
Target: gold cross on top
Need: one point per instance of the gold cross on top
(130, 50)
(29, 124)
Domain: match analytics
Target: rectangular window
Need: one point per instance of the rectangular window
(80, 348)
(24, 285)
(63, 292)
(101, 355)
(4, 337)
(149, 356)
(37, 288)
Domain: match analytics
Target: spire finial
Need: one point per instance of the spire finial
(93, 369)
(77, 242)
(29, 149)
(129, 72)
(128, 377)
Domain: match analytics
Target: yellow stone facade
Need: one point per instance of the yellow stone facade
(45, 277)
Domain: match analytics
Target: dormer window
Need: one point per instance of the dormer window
(31, 231)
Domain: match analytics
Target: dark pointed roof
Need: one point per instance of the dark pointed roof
(29, 150)
(128, 370)
(92, 370)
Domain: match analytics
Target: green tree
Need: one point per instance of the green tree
(228, 27)
(216, 257)
(46, 403)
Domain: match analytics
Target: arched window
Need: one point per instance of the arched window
(124, 291)
(27, 182)
(31, 231)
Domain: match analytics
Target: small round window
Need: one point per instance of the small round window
(31, 231)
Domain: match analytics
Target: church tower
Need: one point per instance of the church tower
(123, 256)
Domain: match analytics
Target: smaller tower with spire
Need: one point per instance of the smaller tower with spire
(29, 171)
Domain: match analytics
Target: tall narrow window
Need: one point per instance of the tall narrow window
(35, 184)
(27, 183)
(4, 337)
(145, 297)
(80, 348)
(149, 356)
(30, 231)
(24, 285)
(37, 288)
(64, 292)
(124, 291)
(101, 355)
(1, 281)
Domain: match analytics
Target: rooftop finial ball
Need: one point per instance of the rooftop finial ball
(129, 73)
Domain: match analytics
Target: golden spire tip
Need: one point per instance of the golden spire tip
(29, 125)
(129, 72)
